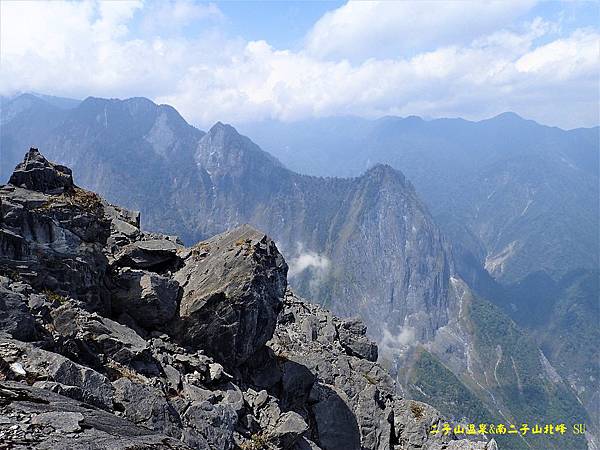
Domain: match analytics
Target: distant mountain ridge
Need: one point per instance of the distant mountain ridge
(544, 181)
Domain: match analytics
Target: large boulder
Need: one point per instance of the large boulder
(233, 286)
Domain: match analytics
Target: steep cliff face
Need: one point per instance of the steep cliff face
(128, 339)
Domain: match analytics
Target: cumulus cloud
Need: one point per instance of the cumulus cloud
(105, 49)
(479, 80)
(388, 29)
(563, 58)
(89, 48)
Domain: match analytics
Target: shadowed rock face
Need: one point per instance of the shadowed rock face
(134, 341)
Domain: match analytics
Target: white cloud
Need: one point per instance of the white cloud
(392, 29)
(396, 344)
(474, 81)
(105, 49)
(317, 263)
(308, 266)
(563, 58)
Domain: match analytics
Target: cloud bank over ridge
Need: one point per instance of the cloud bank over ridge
(368, 59)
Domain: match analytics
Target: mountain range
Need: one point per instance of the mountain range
(438, 299)
(517, 196)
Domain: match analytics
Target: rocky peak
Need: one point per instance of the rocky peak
(36, 173)
(385, 172)
(223, 148)
(223, 131)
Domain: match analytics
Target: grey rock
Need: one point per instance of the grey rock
(146, 406)
(15, 317)
(147, 297)
(215, 372)
(64, 422)
(296, 383)
(260, 399)
(38, 174)
(60, 422)
(233, 396)
(354, 340)
(210, 425)
(413, 429)
(91, 386)
(156, 254)
(232, 286)
(131, 218)
(74, 392)
(290, 427)
(54, 242)
(101, 337)
(173, 378)
(336, 423)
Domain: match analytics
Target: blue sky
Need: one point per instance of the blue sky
(248, 61)
(283, 24)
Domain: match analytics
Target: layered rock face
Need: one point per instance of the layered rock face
(111, 337)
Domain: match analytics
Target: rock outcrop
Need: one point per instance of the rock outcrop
(36, 173)
(112, 337)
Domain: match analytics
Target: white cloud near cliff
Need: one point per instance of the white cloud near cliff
(317, 263)
(313, 267)
(366, 59)
(395, 344)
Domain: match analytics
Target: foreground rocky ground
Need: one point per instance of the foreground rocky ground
(115, 338)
